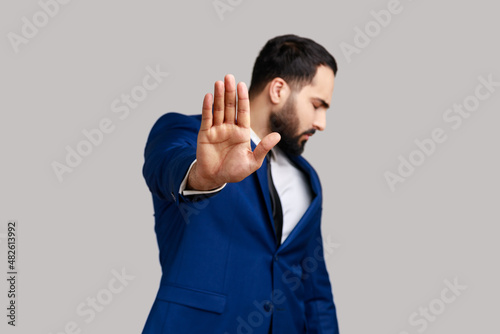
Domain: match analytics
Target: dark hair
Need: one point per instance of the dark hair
(294, 59)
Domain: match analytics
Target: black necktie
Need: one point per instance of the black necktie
(275, 201)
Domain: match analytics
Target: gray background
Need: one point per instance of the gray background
(393, 250)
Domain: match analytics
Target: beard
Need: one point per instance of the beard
(286, 123)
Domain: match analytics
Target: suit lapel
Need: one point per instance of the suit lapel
(315, 205)
(304, 166)
(264, 187)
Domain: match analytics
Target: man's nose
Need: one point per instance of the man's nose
(320, 121)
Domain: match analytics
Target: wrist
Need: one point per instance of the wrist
(196, 182)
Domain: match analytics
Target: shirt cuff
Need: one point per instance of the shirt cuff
(183, 191)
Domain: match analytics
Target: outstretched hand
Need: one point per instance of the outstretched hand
(224, 153)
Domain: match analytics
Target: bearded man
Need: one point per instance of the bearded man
(237, 209)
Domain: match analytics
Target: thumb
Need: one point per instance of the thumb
(265, 145)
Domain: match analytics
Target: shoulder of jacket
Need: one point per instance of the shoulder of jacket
(173, 120)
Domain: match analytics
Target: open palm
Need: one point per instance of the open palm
(224, 153)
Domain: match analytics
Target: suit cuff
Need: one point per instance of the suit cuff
(183, 191)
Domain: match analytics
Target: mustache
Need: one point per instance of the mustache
(308, 132)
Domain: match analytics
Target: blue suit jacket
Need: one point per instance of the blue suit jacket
(222, 271)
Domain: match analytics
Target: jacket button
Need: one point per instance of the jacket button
(268, 306)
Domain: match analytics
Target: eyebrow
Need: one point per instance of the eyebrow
(323, 102)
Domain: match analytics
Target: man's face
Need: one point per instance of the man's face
(304, 112)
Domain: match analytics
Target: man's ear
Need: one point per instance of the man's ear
(278, 91)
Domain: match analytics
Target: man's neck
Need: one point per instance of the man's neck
(259, 118)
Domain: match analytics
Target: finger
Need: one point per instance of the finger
(206, 113)
(218, 103)
(265, 145)
(243, 117)
(229, 99)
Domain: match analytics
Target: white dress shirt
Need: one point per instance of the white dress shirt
(290, 182)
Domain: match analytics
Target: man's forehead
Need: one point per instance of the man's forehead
(321, 87)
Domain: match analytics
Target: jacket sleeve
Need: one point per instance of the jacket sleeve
(320, 309)
(170, 150)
